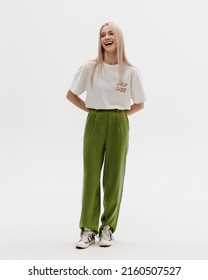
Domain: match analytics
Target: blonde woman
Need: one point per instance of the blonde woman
(114, 91)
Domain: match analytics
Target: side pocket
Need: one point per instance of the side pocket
(87, 121)
(90, 122)
(127, 120)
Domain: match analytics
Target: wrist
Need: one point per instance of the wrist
(126, 112)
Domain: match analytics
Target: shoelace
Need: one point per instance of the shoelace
(86, 236)
(107, 234)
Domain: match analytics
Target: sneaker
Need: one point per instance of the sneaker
(87, 238)
(106, 237)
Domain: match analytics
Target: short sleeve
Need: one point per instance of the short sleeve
(137, 90)
(79, 84)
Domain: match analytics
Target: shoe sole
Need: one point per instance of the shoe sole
(85, 247)
(105, 244)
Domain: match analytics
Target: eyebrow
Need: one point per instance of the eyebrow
(106, 32)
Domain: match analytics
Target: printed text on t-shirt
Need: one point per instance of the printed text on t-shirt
(121, 87)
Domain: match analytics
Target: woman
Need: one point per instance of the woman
(114, 91)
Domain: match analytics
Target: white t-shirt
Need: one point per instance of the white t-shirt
(105, 92)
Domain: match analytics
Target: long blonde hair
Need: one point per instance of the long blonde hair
(121, 56)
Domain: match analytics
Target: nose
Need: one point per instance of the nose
(107, 36)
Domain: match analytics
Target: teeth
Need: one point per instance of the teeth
(108, 43)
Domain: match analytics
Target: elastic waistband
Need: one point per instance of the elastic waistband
(106, 110)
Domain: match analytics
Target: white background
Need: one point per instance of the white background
(164, 208)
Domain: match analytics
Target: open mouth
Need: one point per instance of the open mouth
(108, 43)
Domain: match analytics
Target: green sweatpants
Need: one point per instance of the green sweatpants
(106, 139)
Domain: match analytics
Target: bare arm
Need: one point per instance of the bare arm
(81, 104)
(73, 98)
(134, 108)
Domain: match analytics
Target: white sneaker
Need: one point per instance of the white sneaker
(87, 238)
(106, 237)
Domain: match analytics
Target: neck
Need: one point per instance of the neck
(110, 58)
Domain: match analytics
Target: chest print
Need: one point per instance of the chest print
(121, 87)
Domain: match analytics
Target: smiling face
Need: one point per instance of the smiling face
(108, 39)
